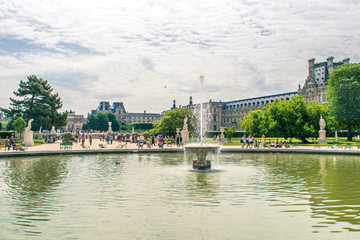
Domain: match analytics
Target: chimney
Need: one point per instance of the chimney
(330, 64)
(346, 60)
(312, 68)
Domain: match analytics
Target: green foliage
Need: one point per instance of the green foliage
(9, 125)
(19, 124)
(3, 134)
(115, 124)
(343, 95)
(140, 126)
(101, 121)
(229, 133)
(173, 119)
(35, 100)
(66, 137)
(252, 123)
(289, 119)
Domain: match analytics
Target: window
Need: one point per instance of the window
(214, 118)
(319, 97)
(214, 127)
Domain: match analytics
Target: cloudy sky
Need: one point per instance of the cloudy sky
(146, 53)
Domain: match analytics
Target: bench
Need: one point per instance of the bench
(84, 146)
(65, 146)
(123, 145)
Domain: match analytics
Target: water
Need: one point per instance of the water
(158, 196)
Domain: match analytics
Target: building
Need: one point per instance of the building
(74, 122)
(316, 81)
(122, 115)
(227, 114)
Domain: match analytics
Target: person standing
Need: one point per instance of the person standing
(262, 141)
(6, 142)
(243, 139)
(90, 140)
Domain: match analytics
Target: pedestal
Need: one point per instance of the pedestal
(322, 137)
(53, 130)
(28, 138)
(185, 136)
(222, 136)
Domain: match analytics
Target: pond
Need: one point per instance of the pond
(159, 196)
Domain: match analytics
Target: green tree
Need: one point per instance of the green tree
(252, 123)
(115, 123)
(289, 119)
(173, 119)
(9, 125)
(229, 132)
(35, 100)
(343, 95)
(19, 124)
(102, 122)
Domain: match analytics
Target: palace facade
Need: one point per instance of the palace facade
(122, 115)
(227, 114)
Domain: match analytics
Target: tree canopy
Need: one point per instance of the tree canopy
(343, 95)
(289, 119)
(101, 121)
(19, 124)
(173, 119)
(35, 100)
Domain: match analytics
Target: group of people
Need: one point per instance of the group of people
(250, 142)
(159, 141)
(11, 143)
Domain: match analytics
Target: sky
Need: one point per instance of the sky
(146, 53)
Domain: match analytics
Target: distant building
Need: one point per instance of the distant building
(74, 122)
(122, 115)
(316, 81)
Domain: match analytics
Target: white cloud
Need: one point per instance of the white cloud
(130, 50)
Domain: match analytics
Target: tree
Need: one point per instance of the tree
(35, 100)
(229, 132)
(252, 123)
(288, 119)
(173, 119)
(19, 124)
(115, 123)
(343, 95)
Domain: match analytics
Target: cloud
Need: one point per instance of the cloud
(129, 51)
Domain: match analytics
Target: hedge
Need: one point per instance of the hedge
(3, 134)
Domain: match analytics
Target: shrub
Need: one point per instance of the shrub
(66, 137)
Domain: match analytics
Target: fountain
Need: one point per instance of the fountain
(201, 149)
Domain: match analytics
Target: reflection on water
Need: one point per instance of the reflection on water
(158, 196)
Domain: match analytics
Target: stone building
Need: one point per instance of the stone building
(227, 114)
(122, 115)
(74, 122)
(316, 81)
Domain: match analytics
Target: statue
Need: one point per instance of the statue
(27, 129)
(322, 132)
(40, 129)
(185, 127)
(322, 123)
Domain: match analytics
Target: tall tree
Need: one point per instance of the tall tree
(115, 123)
(173, 119)
(343, 95)
(35, 100)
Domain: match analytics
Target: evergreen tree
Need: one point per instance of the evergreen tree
(35, 100)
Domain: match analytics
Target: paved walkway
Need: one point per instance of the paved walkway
(54, 148)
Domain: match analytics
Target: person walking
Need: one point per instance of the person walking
(90, 140)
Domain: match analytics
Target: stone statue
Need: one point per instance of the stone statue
(322, 123)
(40, 129)
(27, 129)
(185, 127)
